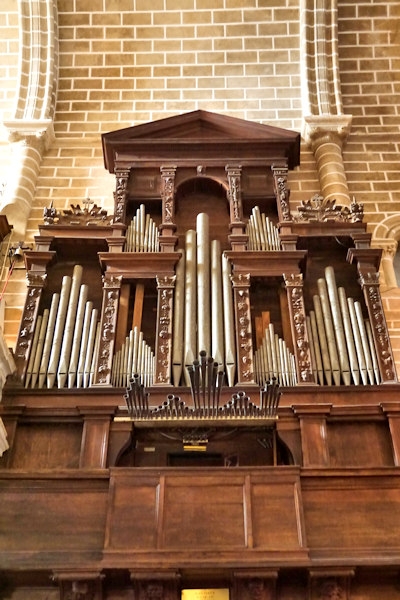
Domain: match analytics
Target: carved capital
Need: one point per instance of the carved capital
(38, 133)
(319, 129)
(34, 280)
(241, 280)
(388, 247)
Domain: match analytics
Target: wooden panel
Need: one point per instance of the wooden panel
(132, 514)
(360, 444)
(50, 515)
(357, 514)
(277, 519)
(200, 511)
(177, 509)
(46, 445)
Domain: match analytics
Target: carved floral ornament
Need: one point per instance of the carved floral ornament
(89, 214)
(320, 209)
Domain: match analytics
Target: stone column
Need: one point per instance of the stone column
(326, 135)
(28, 143)
(388, 275)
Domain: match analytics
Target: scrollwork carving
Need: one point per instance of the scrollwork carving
(165, 286)
(168, 193)
(282, 192)
(241, 285)
(35, 285)
(234, 192)
(294, 287)
(111, 290)
(122, 176)
(370, 284)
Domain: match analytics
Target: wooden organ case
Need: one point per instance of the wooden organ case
(205, 393)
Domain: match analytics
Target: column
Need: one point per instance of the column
(370, 286)
(108, 326)
(294, 289)
(96, 431)
(281, 192)
(168, 227)
(120, 194)
(314, 443)
(237, 238)
(244, 344)
(325, 135)
(163, 358)
(36, 284)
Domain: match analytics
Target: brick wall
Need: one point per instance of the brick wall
(124, 62)
(369, 51)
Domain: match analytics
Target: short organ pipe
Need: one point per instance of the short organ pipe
(341, 337)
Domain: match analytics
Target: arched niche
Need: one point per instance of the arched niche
(202, 195)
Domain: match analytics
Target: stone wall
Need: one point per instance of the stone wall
(122, 63)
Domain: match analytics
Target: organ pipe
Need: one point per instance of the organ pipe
(65, 338)
(217, 343)
(273, 360)
(190, 331)
(228, 320)
(203, 283)
(142, 233)
(262, 233)
(178, 328)
(134, 359)
(341, 337)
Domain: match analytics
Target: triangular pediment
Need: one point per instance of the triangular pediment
(200, 129)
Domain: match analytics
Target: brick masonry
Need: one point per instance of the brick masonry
(122, 64)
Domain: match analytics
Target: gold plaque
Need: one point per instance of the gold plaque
(200, 594)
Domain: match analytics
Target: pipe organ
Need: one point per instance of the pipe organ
(193, 260)
(205, 324)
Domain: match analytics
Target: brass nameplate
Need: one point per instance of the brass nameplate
(200, 594)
